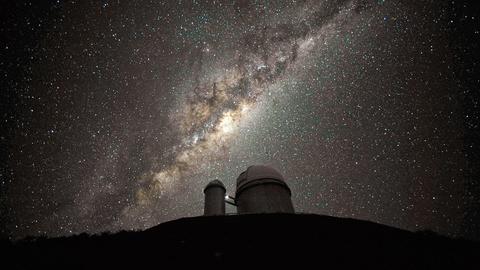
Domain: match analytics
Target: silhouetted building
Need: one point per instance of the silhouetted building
(214, 198)
(272, 240)
(260, 189)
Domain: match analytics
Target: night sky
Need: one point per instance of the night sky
(116, 114)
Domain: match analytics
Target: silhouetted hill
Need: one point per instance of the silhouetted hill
(249, 240)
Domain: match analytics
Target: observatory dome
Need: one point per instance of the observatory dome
(262, 189)
(259, 174)
(214, 183)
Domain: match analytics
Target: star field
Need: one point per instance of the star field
(116, 114)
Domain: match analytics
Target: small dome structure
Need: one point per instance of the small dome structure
(214, 183)
(214, 198)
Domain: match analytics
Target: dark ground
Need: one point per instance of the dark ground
(250, 240)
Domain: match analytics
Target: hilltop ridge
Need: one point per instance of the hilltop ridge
(235, 240)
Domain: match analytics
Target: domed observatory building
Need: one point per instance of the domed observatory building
(214, 198)
(261, 189)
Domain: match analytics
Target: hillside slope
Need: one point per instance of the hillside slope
(233, 241)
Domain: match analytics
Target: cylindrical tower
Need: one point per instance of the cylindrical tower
(214, 199)
(261, 189)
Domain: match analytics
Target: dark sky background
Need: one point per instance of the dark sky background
(116, 114)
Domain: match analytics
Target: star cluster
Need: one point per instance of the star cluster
(117, 113)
